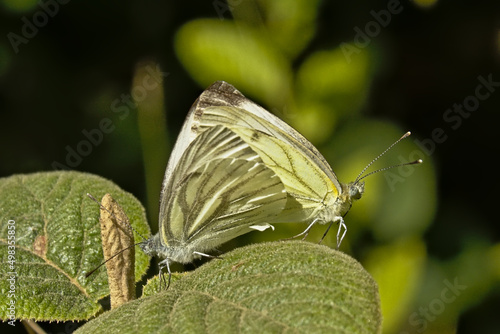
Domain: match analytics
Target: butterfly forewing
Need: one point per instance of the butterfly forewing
(235, 117)
(217, 143)
(206, 111)
(308, 178)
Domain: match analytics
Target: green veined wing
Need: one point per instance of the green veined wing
(220, 184)
(313, 194)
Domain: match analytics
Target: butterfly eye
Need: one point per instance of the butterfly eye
(356, 190)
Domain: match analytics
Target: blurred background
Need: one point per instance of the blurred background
(103, 87)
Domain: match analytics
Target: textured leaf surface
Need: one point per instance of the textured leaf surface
(279, 287)
(57, 241)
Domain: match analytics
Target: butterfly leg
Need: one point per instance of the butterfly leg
(207, 255)
(306, 231)
(326, 232)
(163, 264)
(341, 224)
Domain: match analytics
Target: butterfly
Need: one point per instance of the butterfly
(215, 189)
(235, 168)
(314, 193)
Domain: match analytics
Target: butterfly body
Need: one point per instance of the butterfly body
(181, 253)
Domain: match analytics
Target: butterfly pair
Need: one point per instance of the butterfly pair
(236, 168)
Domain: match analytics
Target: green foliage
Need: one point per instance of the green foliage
(288, 24)
(57, 241)
(268, 287)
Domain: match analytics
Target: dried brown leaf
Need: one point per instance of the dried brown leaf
(118, 248)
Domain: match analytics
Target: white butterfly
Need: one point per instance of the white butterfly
(235, 168)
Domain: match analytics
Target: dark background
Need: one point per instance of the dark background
(63, 79)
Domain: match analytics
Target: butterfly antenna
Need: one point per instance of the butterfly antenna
(99, 266)
(128, 226)
(416, 162)
(360, 177)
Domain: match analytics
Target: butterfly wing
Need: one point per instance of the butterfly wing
(218, 190)
(218, 94)
(308, 178)
(215, 144)
(310, 190)
(311, 186)
(222, 94)
(205, 112)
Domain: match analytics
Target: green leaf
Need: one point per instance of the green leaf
(268, 287)
(55, 227)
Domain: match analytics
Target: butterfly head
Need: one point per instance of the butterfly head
(350, 193)
(151, 245)
(356, 190)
